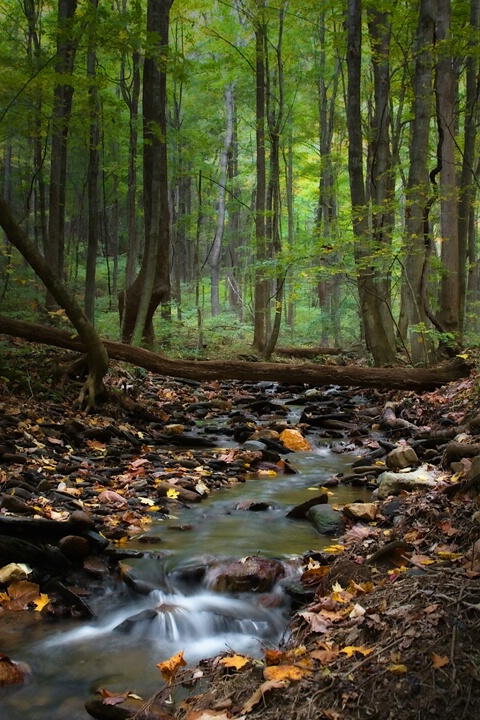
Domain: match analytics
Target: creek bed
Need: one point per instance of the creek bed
(69, 660)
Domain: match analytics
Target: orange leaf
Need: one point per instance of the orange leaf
(235, 661)
(351, 649)
(439, 661)
(170, 667)
(283, 672)
(325, 656)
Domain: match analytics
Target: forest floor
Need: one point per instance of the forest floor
(391, 628)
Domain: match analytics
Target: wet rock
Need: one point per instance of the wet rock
(253, 506)
(254, 445)
(401, 457)
(74, 547)
(325, 520)
(81, 520)
(11, 673)
(129, 708)
(252, 574)
(390, 483)
(299, 512)
(361, 511)
(141, 618)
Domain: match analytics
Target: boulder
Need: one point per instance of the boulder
(361, 511)
(391, 483)
(401, 457)
(300, 511)
(326, 520)
(251, 574)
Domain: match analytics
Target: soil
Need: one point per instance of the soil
(392, 625)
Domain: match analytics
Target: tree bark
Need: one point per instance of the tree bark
(400, 378)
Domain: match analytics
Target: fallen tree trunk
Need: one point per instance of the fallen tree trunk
(397, 378)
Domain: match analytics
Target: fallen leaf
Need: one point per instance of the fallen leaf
(171, 493)
(259, 693)
(283, 672)
(208, 715)
(170, 667)
(235, 661)
(349, 650)
(41, 602)
(324, 656)
(398, 669)
(438, 661)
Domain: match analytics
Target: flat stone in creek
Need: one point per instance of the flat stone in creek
(125, 710)
(251, 574)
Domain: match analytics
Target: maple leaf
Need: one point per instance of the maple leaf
(438, 661)
(171, 493)
(349, 650)
(324, 656)
(170, 667)
(284, 672)
(41, 602)
(235, 661)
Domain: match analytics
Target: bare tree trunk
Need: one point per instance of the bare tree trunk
(416, 225)
(92, 176)
(261, 284)
(62, 108)
(376, 337)
(215, 251)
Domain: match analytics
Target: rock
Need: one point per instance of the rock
(11, 673)
(127, 709)
(253, 506)
(252, 574)
(390, 483)
(326, 520)
(74, 547)
(81, 520)
(294, 440)
(299, 512)
(361, 511)
(401, 457)
(254, 445)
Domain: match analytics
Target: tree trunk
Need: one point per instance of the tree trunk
(416, 224)
(92, 174)
(261, 284)
(401, 378)
(97, 356)
(446, 93)
(375, 335)
(62, 108)
(152, 284)
(214, 255)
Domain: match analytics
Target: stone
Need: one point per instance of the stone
(361, 511)
(251, 574)
(74, 547)
(391, 483)
(299, 512)
(401, 457)
(326, 520)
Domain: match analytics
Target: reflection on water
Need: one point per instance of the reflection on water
(133, 633)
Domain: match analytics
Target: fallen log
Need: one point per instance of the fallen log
(307, 352)
(397, 378)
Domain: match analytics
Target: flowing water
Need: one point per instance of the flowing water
(132, 632)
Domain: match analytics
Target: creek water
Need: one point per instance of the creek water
(69, 660)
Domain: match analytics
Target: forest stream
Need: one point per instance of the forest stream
(120, 649)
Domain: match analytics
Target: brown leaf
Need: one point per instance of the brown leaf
(325, 656)
(259, 693)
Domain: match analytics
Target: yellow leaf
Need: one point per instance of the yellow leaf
(154, 508)
(41, 602)
(173, 493)
(397, 669)
(235, 661)
(351, 649)
(170, 667)
(333, 549)
(283, 672)
(439, 661)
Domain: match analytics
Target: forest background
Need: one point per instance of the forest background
(212, 176)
